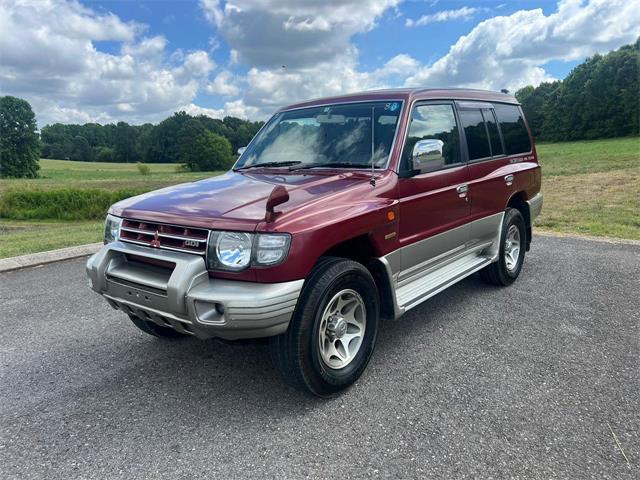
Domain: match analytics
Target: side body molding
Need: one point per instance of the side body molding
(423, 269)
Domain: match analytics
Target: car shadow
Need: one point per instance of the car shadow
(221, 382)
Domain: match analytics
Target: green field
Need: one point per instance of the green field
(590, 188)
(22, 237)
(109, 176)
(18, 237)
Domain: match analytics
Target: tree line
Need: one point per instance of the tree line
(600, 98)
(199, 142)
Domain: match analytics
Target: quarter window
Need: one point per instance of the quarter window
(476, 133)
(514, 131)
(433, 122)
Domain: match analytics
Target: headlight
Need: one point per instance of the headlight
(236, 251)
(111, 229)
(230, 250)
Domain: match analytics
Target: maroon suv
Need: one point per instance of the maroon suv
(340, 212)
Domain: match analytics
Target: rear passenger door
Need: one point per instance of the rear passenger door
(491, 181)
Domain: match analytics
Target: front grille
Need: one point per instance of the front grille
(163, 236)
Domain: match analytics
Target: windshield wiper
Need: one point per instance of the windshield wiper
(332, 164)
(269, 164)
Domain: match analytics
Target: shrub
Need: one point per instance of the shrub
(181, 168)
(104, 154)
(143, 168)
(60, 204)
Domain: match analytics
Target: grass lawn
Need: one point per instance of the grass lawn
(572, 158)
(22, 237)
(19, 237)
(109, 176)
(590, 188)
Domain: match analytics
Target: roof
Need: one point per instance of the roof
(410, 94)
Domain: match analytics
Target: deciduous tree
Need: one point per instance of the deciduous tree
(208, 152)
(19, 142)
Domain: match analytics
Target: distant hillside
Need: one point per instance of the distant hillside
(600, 98)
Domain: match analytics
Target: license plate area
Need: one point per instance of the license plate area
(143, 296)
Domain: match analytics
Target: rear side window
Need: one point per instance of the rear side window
(514, 131)
(476, 133)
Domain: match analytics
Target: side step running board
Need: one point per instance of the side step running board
(423, 287)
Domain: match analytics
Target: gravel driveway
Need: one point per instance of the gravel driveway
(524, 382)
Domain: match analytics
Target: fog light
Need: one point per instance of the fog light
(220, 308)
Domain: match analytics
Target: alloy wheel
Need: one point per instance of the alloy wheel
(342, 329)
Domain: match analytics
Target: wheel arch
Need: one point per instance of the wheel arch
(361, 249)
(519, 201)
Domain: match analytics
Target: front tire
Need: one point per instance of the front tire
(333, 330)
(513, 242)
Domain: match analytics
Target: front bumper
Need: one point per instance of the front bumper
(174, 290)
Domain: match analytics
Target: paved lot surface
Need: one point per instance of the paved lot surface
(478, 382)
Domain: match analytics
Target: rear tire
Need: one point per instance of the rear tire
(155, 330)
(333, 330)
(513, 242)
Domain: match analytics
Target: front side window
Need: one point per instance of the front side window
(514, 131)
(437, 122)
(353, 135)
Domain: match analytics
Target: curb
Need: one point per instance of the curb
(42, 258)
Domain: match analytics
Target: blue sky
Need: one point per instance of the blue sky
(79, 61)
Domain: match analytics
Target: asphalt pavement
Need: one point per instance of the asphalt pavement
(538, 380)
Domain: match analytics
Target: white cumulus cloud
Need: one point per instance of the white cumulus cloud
(299, 50)
(280, 52)
(511, 51)
(223, 85)
(464, 13)
(272, 33)
(48, 54)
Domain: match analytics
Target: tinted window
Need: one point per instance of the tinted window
(514, 132)
(476, 133)
(494, 136)
(437, 122)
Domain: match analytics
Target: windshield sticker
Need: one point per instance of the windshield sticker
(392, 107)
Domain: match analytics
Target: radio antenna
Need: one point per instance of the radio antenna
(373, 148)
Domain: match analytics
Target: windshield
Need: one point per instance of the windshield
(351, 135)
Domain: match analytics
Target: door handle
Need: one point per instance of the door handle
(508, 179)
(462, 191)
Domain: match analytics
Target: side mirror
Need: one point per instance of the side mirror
(241, 150)
(427, 155)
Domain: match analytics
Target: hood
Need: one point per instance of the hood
(235, 199)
